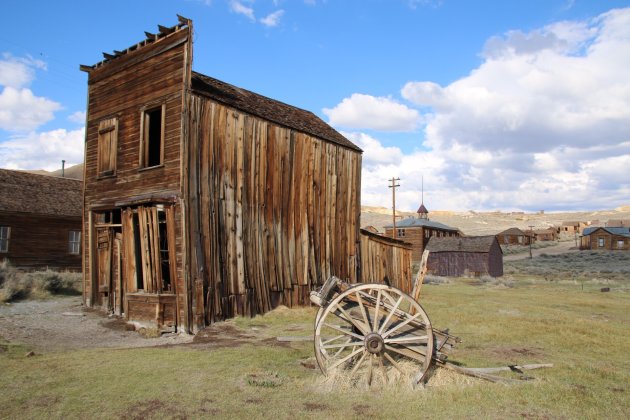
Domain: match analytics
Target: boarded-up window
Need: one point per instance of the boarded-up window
(5, 232)
(152, 137)
(74, 242)
(107, 146)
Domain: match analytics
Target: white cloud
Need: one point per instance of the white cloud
(239, 8)
(565, 84)
(43, 150)
(77, 117)
(272, 19)
(361, 111)
(20, 110)
(18, 72)
(374, 153)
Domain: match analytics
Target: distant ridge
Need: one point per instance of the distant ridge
(73, 172)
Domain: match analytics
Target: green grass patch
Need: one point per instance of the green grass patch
(584, 333)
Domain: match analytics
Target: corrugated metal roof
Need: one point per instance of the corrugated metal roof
(461, 244)
(620, 231)
(413, 222)
(24, 192)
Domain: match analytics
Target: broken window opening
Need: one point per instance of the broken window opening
(137, 252)
(5, 232)
(152, 141)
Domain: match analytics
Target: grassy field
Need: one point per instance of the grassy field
(526, 319)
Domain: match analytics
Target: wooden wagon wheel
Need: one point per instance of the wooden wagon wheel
(374, 332)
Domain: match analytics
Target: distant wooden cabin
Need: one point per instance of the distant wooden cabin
(572, 227)
(40, 221)
(204, 200)
(514, 236)
(418, 230)
(467, 255)
(606, 238)
(618, 223)
(545, 234)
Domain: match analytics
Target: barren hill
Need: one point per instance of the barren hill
(490, 223)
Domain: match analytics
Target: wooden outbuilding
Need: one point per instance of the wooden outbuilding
(204, 200)
(606, 238)
(545, 234)
(514, 236)
(40, 221)
(467, 255)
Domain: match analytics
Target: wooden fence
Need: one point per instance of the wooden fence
(385, 260)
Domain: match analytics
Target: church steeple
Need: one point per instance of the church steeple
(423, 213)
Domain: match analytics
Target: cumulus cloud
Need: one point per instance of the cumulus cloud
(361, 111)
(20, 109)
(374, 153)
(43, 150)
(241, 9)
(77, 117)
(542, 123)
(272, 19)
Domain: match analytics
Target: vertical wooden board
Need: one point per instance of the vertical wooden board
(271, 156)
(240, 175)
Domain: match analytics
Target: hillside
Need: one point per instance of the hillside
(490, 223)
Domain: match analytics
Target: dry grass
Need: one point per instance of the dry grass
(15, 285)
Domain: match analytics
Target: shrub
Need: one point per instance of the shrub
(45, 281)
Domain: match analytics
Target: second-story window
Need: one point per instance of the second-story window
(107, 147)
(152, 137)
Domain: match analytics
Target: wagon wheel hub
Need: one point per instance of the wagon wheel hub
(374, 343)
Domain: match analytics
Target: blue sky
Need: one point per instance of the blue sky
(511, 105)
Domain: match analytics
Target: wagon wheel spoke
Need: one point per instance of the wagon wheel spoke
(362, 309)
(338, 328)
(394, 363)
(391, 314)
(347, 317)
(367, 331)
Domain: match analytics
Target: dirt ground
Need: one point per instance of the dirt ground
(62, 323)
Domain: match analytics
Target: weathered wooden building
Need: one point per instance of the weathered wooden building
(467, 255)
(549, 234)
(514, 236)
(418, 230)
(606, 238)
(386, 260)
(40, 221)
(204, 200)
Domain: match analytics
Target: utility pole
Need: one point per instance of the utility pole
(393, 187)
(531, 236)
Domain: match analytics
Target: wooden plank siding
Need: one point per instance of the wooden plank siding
(276, 213)
(150, 76)
(40, 241)
(386, 260)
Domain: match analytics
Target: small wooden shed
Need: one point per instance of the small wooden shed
(467, 255)
(40, 221)
(204, 200)
(514, 236)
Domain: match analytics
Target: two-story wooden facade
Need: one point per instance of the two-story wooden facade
(40, 221)
(204, 200)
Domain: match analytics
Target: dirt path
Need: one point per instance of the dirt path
(560, 248)
(62, 324)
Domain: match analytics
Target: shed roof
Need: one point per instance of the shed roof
(269, 109)
(513, 231)
(412, 222)
(620, 231)
(461, 244)
(24, 192)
